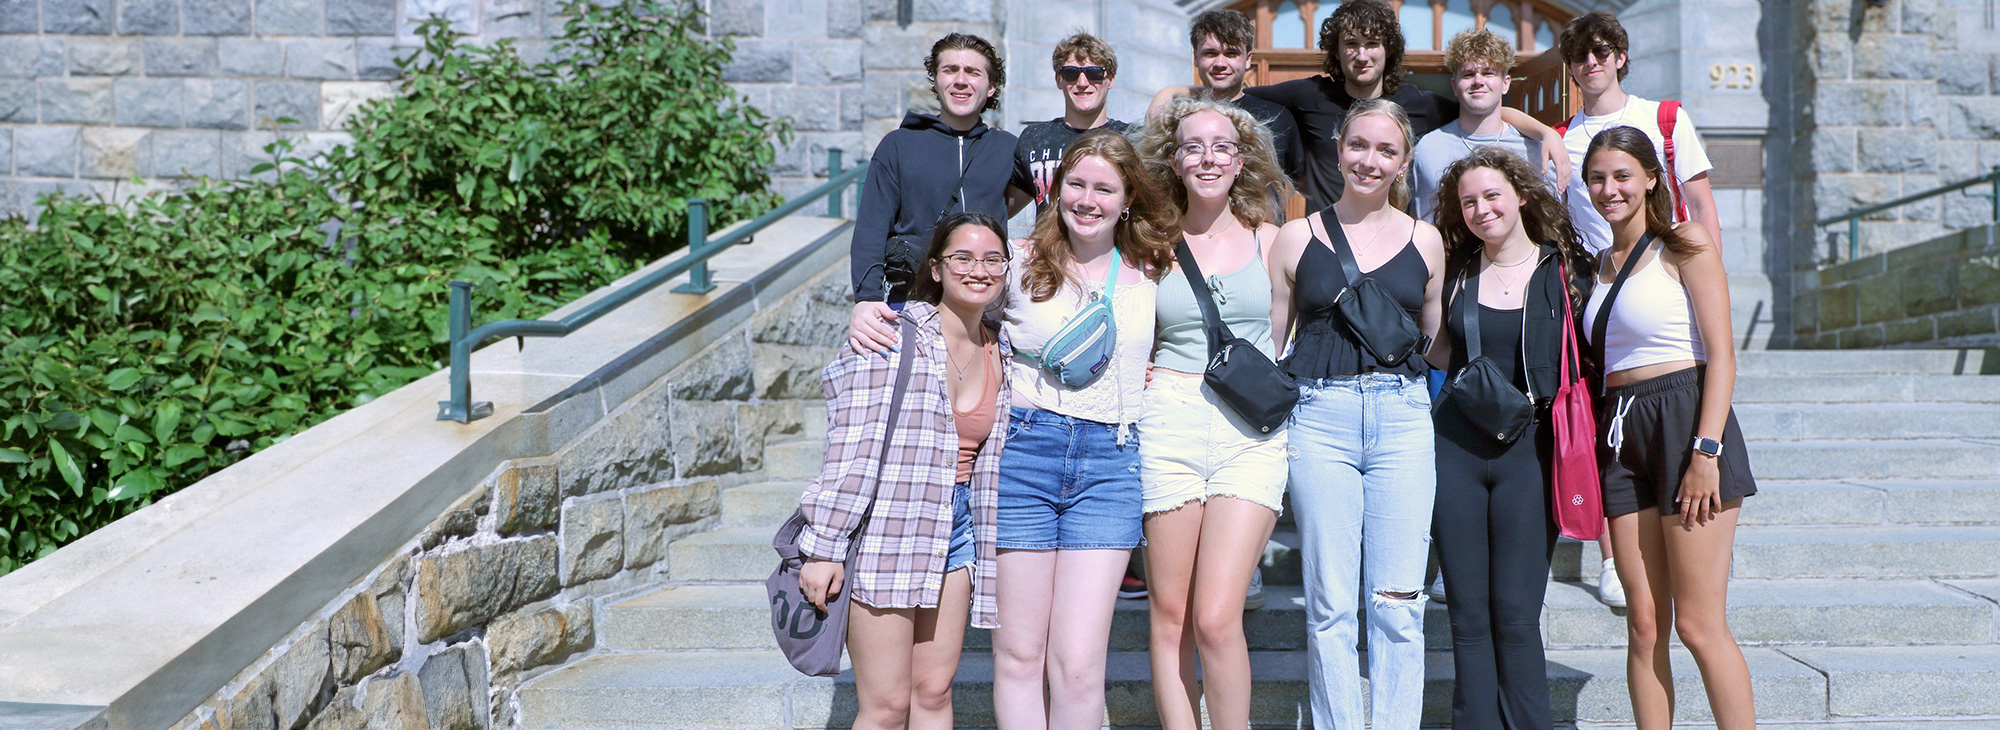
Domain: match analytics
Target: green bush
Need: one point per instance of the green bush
(150, 344)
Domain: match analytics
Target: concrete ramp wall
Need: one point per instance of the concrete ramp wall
(384, 569)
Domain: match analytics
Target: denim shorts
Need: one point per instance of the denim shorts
(960, 554)
(1197, 448)
(1067, 484)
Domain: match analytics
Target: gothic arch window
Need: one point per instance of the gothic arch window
(1500, 20)
(1287, 28)
(1458, 18)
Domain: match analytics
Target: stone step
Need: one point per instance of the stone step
(729, 554)
(761, 504)
(1858, 421)
(798, 459)
(1911, 459)
(1796, 612)
(758, 689)
(1820, 362)
(1871, 388)
(1867, 552)
(1907, 680)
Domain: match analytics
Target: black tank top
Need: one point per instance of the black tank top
(1325, 349)
(1499, 341)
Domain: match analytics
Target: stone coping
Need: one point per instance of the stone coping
(148, 617)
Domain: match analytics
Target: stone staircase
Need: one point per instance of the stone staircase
(1865, 585)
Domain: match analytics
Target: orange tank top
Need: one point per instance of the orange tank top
(976, 424)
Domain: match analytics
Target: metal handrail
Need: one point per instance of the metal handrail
(465, 338)
(1853, 217)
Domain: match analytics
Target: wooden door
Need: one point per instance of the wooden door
(1542, 88)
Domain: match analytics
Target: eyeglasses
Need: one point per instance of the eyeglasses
(1096, 74)
(962, 263)
(1602, 51)
(1224, 151)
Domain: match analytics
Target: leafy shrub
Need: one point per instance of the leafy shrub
(145, 346)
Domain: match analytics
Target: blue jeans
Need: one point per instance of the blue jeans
(1363, 477)
(1067, 484)
(961, 552)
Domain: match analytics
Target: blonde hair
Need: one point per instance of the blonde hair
(1478, 44)
(1250, 196)
(1399, 192)
(1145, 232)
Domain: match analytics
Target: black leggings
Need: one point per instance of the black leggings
(1494, 537)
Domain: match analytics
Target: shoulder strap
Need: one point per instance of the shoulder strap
(1669, 114)
(1571, 361)
(1604, 310)
(1468, 309)
(956, 189)
(1218, 331)
(1562, 128)
(1338, 238)
(904, 365)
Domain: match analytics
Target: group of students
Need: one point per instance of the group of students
(1032, 454)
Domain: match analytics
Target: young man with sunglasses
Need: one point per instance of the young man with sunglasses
(1363, 43)
(1596, 48)
(1222, 40)
(1085, 68)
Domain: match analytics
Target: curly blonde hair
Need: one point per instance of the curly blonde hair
(1145, 235)
(1250, 196)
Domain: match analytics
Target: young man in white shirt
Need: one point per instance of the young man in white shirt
(1478, 62)
(1596, 49)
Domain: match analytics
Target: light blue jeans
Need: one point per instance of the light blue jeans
(1363, 476)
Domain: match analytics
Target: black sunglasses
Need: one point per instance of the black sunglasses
(1096, 74)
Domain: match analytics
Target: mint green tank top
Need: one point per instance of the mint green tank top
(1242, 297)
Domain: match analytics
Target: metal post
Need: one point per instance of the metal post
(1853, 238)
(833, 171)
(461, 408)
(698, 281)
(1996, 195)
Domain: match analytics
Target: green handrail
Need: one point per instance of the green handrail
(1853, 217)
(465, 338)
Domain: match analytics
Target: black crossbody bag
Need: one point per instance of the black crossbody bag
(1604, 311)
(1487, 398)
(1239, 373)
(1375, 319)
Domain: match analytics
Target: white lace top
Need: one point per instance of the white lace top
(1118, 395)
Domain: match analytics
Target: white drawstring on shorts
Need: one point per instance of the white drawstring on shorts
(1617, 437)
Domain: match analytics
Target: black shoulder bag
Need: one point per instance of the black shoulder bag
(1604, 310)
(1375, 319)
(1487, 399)
(905, 253)
(810, 641)
(1239, 373)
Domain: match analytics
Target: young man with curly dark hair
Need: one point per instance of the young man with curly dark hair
(1363, 43)
(1085, 68)
(930, 167)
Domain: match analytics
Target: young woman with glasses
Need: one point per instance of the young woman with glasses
(926, 559)
(1214, 485)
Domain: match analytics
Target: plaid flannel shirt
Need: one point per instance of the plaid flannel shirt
(900, 563)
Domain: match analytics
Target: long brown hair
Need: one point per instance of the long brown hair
(1250, 196)
(1544, 216)
(1659, 206)
(1144, 235)
(926, 288)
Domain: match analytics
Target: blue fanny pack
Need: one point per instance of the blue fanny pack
(1078, 352)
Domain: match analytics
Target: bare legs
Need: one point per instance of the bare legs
(905, 658)
(1198, 566)
(1065, 646)
(1680, 578)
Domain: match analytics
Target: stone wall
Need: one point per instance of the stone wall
(1940, 293)
(1893, 100)
(507, 584)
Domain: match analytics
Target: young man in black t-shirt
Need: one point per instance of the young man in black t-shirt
(1363, 43)
(1085, 68)
(1222, 40)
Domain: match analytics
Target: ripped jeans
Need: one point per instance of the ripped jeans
(1363, 477)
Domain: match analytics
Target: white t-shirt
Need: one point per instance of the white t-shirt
(1690, 159)
(1117, 396)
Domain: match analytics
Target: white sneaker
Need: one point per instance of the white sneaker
(1253, 598)
(1609, 590)
(1436, 588)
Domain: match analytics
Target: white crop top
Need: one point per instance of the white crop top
(1117, 396)
(1652, 321)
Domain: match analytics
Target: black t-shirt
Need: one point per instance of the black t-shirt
(1284, 134)
(1319, 104)
(1041, 149)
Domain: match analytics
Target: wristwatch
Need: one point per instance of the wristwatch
(1707, 446)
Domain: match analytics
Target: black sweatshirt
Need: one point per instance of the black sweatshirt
(911, 182)
(1319, 105)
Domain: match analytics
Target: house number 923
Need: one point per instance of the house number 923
(1732, 76)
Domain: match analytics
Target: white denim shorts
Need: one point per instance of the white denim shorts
(1196, 447)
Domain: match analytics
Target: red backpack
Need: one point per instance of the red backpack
(1669, 113)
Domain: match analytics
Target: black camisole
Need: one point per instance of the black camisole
(1325, 349)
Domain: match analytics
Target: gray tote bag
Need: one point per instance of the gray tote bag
(813, 642)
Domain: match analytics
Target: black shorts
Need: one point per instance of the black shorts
(1658, 432)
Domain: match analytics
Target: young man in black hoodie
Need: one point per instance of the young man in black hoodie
(1085, 68)
(1222, 40)
(1363, 43)
(935, 164)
